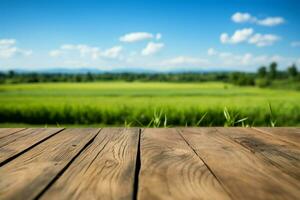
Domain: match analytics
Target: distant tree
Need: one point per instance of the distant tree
(262, 72)
(11, 73)
(241, 79)
(78, 78)
(292, 71)
(89, 77)
(273, 70)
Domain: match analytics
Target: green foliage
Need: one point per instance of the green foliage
(127, 124)
(262, 82)
(157, 119)
(262, 72)
(292, 71)
(13, 77)
(138, 104)
(201, 119)
(242, 79)
(231, 119)
(272, 118)
(273, 70)
(263, 77)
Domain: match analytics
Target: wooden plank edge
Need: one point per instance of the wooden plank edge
(29, 148)
(61, 172)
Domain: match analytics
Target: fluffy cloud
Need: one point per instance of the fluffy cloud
(247, 35)
(238, 36)
(55, 53)
(247, 18)
(184, 61)
(7, 42)
(158, 36)
(87, 51)
(249, 61)
(241, 17)
(152, 48)
(263, 40)
(8, 49)
(113, 52)
(135, 37)
(271, 21)
(139, 36)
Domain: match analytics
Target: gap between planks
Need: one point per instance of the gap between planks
(136, 189)
(42, 164)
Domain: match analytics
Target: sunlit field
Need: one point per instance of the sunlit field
(137, 103)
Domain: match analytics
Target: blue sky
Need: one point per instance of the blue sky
(157, 35)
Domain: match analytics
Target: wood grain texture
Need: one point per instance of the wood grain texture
(171, 170)
(243, 174)
(289, 134)
(285, 156)
(105, 170)
(29, 174)
(20, 141)
(8, 131)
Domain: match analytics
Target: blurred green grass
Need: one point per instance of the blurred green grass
(113, 103)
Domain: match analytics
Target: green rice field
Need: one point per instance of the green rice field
(138, 104)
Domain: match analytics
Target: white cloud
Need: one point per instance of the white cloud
(211, 52)
(84, 50)
(158, 36)
(248, 61)
(113, 52)
(238, 36)
(247, 35)
(241, 17)
(137, 36)
(7, 42)
(247, 18)
(55, 53)
(295, 44)
(152, 48)
(184, 61)
(8, 49)
(261, 40)
(271, 21)
(87, 51)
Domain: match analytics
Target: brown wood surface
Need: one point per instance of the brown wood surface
(171, 170)
(243, 174)
(285, 156)
(18, 142)
(8, 131)
(105, 170)
(288, 134)
(28, 175)
(167, 163)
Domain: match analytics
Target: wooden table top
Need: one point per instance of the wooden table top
(165, 163)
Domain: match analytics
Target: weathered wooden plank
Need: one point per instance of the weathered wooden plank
(28, 175)
(279, 153)
(20, 141)
(170, 169)
(288, 134)
(105, 170)
(8, 131)
(242, 173)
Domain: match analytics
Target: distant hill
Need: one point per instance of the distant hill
(66, 70)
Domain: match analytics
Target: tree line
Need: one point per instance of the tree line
(264, 77)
